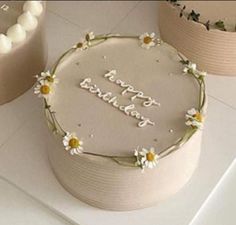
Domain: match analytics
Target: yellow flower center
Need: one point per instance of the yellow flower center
(80, 45)
(45, 89)
(147, 40)
(87, 37)
(74, 143)
(50, 79)
(150, 156)
(198, 116)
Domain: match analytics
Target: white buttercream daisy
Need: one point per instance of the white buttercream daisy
(83, 45)
(89, 37)
(43, 89)
(194, 118)
(190, 68)
(146, 158)
(147, 40)
(51, 78)
(202, 73)
(72, 143)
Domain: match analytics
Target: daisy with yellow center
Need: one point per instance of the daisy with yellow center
(89, 37)
(51, 78)
(146, 158)
(147, 40)
(72, 143)
(43, 89)
(83, 45)
(192, 69)
(194, 118)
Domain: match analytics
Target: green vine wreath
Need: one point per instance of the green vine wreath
(195, 16)
(143, 158)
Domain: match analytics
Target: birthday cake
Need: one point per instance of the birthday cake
(204, 31)
(127, 113)
(22, 46)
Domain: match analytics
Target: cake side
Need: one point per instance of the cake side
(212, 50)
(104, 184)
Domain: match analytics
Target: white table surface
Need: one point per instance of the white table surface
(29, 191)
(219, 207)
(18, 208)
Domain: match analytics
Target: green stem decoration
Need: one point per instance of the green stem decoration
(219, 25)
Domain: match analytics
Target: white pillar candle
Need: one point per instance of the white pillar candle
(27, 21)
(5, 44)
(16, 33)
(35, 7)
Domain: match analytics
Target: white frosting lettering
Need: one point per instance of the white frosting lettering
(4, 7)
(109, 98)
(148, 101)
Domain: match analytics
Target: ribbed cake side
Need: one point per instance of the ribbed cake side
(104, 184)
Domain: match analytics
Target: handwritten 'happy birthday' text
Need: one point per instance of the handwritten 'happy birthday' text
(109, 98)
(148, 101)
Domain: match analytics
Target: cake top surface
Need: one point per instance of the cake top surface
(104, 126)
(9, 12)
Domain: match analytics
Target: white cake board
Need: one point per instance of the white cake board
(24, 162)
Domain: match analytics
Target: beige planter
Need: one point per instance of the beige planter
(213, 51)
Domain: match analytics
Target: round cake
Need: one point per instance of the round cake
(204, 31)
(22, 46)
(127, 113)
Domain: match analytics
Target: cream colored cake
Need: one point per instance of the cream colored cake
(128, 120)
(204, 31)
(22, 46)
